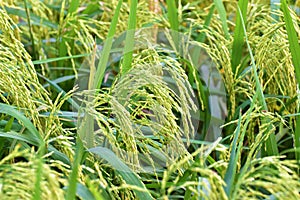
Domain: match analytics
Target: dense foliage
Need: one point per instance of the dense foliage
(149, 99)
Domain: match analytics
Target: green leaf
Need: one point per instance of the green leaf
(74, 4)
(83, 192)
(173, 15)
(174, 23)
(295, 51)
(35, 19)
(234, 155)
(106, 48)
(129, 40)
(293, 39)
(72, 188)
(63, 79)
(10, 110)
(127, 174)
(223, 16)
(238, 40)
(201, 36)
(9, 124)
(49, 60)
(58, 155)
(22, 137)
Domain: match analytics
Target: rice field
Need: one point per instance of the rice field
(157, 99)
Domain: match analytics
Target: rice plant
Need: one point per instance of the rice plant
(149, 99)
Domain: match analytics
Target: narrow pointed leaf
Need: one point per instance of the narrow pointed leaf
(129, 40)
(127, 174)
(295, 51)
(106, 48)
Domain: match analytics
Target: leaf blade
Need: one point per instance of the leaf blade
(295, 52)
(128, 175)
